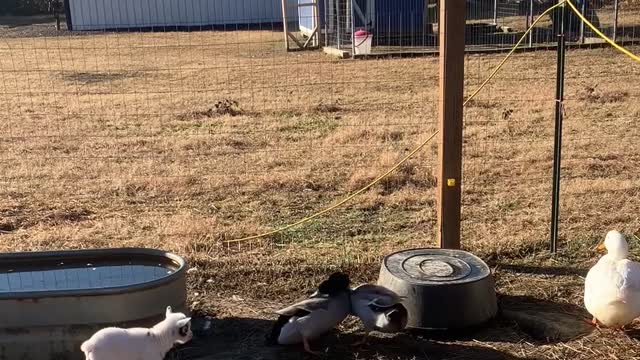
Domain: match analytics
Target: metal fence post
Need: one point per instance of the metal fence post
(352, 28)
(338, 25)
(495, 12)
(530, 22)
(615, 19)
(557, 143)
(583, 10)
(326, 23)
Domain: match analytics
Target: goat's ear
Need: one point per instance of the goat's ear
(183, 322)
(168, 311)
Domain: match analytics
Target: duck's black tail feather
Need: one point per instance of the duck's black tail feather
(335, 284)
(272, 338)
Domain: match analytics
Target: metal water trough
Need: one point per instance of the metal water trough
(52, 301)
(444, 289)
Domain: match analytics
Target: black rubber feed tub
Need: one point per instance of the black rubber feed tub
(444, 289)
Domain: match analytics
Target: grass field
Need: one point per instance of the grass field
(183, 141)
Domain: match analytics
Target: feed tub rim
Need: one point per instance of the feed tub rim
(490, 274)
(86, 253)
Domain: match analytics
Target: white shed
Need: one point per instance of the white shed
(123, 14)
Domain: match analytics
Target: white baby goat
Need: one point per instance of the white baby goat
(139, 343)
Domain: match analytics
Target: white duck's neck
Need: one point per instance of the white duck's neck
(617, 255)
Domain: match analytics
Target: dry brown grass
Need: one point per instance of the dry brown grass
(116, 140)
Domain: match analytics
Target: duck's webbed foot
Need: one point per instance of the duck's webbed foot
(593, 322)
(307, 347)
(363, 341)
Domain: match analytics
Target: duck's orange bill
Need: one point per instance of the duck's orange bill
(600, 247)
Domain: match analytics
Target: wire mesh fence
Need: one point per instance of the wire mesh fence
(182, 139)
(599, 148)
(508, 153)
(508, 158)
(185, 136)
(412, 26)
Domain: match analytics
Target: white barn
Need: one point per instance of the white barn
(128, 14)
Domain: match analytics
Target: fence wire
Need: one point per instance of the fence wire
(412, 26)
(184, 136)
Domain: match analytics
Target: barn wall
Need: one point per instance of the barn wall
(108, 14)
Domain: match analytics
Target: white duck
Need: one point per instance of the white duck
(310, 318)
(612, 286)
(379, 309)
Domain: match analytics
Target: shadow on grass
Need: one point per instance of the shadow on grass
(545, 270)
(243, 339)
(545, 321)
(522, 318)
(14, 21)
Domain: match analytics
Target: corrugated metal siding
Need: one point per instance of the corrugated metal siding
(108, 14)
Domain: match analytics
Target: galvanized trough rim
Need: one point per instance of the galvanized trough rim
(94, 253)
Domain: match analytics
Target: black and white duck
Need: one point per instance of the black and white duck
(314, 316)
(379, 309)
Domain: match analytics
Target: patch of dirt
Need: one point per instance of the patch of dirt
(35, 27)
(405, 175)
(68, 216)
(594, 95)
(16, 220)
(328, 108)
(220, 108)
(10, 220)
(7, 227)
(482, 104)
(95, 77)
